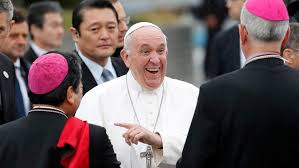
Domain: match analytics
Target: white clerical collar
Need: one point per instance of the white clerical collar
(48, 109)
(264, 55)
(136, 89)
(38, 51)
(95, 68)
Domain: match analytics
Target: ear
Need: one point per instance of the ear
(125, 56)
(166, 50)
(75, 34)
(11, 23)
(70, 95)
(288, 54)
(286, 38)
(243, 34)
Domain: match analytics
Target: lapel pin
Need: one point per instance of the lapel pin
(5, 74)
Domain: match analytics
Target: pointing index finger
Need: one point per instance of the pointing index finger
(124, 125)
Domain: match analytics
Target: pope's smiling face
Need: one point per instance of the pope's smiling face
(147, 56)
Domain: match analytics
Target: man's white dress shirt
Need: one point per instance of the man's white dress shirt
(38, 51)
(97, 69)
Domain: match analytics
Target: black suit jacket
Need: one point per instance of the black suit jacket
(31, 142)
(30, 55)
(7, 90)
(87, 78)
(224, 53)
(25, 66)
(245, 119)
(117, 52)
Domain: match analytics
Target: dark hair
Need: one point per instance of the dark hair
(89, 4)
(295, 17)
(38, 10)
(58, 95)
(18, 16)
(294, 36)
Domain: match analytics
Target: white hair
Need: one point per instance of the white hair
(6, 6)
(263, 30)
(128, 36)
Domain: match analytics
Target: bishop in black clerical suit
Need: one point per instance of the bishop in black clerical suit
(49, 136)
(249, 118)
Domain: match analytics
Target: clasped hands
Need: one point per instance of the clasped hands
(136, 133)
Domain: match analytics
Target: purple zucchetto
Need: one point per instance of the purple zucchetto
(271, 10)
(47, 72)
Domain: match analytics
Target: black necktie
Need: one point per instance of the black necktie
(19, 100)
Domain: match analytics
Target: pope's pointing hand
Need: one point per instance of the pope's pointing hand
(137, 133)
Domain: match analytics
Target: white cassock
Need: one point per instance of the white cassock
(110, 103)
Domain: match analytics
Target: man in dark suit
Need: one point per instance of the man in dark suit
(95, 33)
(15, 47)
(49, 136)
(7, 90)
(214, 14)
(7, 74)
(249, 118)
(225, 49)
(46, 29)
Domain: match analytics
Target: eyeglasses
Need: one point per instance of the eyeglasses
(125, 19)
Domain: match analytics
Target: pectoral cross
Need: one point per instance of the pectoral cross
(148, 155)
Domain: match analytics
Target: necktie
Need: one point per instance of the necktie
(106, 75)
(19, 100)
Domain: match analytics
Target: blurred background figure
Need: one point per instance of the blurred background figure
(7, 74)
(95, 33)
(214, 13)
(15, 47)
(46, 29)
(123, 21)
(225, 53)
(291, 50)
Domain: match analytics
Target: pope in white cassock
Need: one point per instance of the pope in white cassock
(146, 115)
